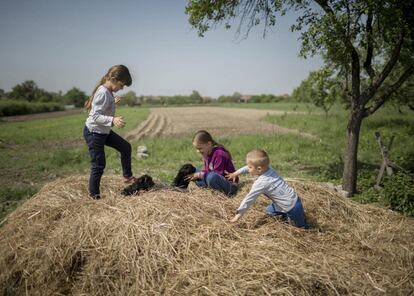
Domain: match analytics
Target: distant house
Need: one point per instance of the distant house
(245, 98)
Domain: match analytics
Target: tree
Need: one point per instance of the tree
(321, 88)
(196, 97)
(130, 99)
(76, 97)
(369, 42)
(302, 93)
(236, 97)
(27, 91)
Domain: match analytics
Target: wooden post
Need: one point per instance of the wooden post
(386, 164)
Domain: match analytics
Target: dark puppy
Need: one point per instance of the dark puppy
(142, 183)
(185, 170)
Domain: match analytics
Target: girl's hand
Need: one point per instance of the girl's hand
(118, 122)
(117, 99)
(231, 176)
(193, 177)
(235, 218)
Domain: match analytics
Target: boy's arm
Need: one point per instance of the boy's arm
(236, 218)
(257, 188)
(242, 170)
(233, 176)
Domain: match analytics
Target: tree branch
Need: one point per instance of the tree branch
(382, 99)
(355, 66)
(370, 49)
(369, 93)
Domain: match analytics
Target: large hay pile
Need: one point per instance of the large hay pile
(166, 242)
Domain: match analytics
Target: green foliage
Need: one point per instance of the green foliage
(76, 97)
(235, 98)
(322, 88)
(227, 99)
(203, 14)
(130, 99)
(196, 97)
(262, 98)
(10, 108)
(398, 193)
(404, 96)
(67, 156)
(370, 195)
(10, 198)
(29, 91)
(332, 170)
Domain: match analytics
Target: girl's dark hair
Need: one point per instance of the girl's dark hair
(116, 73)
(204, 137)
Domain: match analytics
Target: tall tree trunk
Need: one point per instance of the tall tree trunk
(349, 181)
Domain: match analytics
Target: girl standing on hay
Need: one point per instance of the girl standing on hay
(98, 126)
(217, 162)
(285, 201)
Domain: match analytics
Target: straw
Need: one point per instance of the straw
(173, 243)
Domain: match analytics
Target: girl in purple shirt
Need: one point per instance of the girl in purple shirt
(217, 162)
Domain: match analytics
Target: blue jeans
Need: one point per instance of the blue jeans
(217, 182)
(295, 215)
(96, 143)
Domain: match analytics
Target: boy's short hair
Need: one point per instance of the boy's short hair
(258, 157)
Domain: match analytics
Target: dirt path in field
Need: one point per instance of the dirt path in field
(176, 122)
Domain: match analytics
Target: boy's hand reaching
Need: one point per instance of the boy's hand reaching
(231, 176)
(118, 122)
(193, 177)
(235, 218)
(117, 99)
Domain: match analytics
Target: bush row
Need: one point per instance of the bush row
(11, 108)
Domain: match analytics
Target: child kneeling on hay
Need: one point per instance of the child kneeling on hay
(285, 201)
(217, 162)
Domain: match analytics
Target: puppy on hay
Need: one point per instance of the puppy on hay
(184, 171)
(144, 182)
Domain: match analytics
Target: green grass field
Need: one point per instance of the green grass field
(35, 152)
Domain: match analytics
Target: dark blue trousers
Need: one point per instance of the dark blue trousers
(295, 215)
(217, 182)
(96, 143)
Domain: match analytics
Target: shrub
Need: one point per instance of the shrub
(398, 193)
(11, 108)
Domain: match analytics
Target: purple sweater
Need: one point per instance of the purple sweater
(218, 161)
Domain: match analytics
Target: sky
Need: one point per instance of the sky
(62, 44)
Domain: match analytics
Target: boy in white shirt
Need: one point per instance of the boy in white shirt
(285, 201)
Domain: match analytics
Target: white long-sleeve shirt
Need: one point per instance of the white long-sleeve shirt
(102, 112)
(274, 187)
